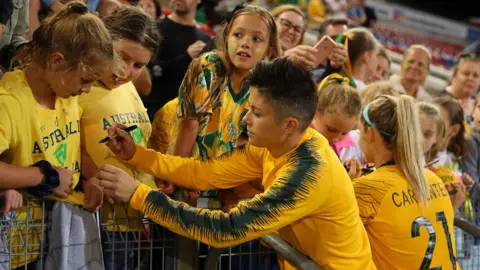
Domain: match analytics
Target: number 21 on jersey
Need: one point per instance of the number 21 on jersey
(424, 222)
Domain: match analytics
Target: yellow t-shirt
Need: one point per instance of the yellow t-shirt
(100, 109)
(404, 235)
(30, 133)
(162, 126)
(308, 200)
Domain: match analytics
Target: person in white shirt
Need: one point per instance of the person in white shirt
(414, 69)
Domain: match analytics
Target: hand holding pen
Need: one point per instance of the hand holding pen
(120, 141)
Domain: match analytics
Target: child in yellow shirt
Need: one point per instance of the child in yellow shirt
(40, 130)
(114, 99)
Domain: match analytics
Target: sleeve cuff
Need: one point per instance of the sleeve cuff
(138, 157)
(138, 198)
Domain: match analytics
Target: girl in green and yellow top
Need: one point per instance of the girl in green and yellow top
(405, 208)
(39, 115)
(213, 97)
(114, 99)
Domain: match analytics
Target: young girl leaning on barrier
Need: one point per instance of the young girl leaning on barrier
(213, 97)
(113, 98)
(40, 134)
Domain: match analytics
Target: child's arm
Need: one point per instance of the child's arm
(15, 177)
(186, 137)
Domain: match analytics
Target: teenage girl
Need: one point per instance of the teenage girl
(40, 123)
(114, 99)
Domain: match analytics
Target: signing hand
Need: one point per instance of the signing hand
(122, 146)
(354, 168)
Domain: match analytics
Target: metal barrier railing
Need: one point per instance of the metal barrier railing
(467, 239)
(128, 243)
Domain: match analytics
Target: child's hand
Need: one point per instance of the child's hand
(354, 168)
(165, 187)
(191, 196)
(13, 200)
(196, 48)
(467, 180)
(93, 195)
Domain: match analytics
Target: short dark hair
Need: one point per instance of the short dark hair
(290, 87)
(6, 9)
(331, 21)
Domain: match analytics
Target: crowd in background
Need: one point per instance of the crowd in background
(182, 82)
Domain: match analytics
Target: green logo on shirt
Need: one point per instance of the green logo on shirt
(61, 154)
(137, 136)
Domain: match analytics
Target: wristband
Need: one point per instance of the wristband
(52, 180)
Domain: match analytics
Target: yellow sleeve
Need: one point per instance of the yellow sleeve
(369, 194)
(5, 125)
(227, 171)
(295, 193)
(197, 85)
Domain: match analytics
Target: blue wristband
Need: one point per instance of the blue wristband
(52, 180)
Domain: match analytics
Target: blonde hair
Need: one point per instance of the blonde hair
(398, 120)
(338, 96)
(432, 112)
(277, 11)
(227, 67)
(376, 89)
(420, 48)
(358, 41)
(79, 35)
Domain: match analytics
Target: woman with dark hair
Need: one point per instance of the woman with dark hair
(152, 7)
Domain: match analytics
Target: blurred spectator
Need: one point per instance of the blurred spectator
(13, 28)
(6, 10)
(336, 8)
(414, 69)
(356, 14)
(383, 66)
(152, 7)
(182, 42)
(473, 48)
(291, 25)
(316, 11)
(370, 13)
(471, 163)
(331, 27)
(39, 9)
(465, 82)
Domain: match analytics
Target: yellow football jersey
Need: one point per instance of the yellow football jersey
(404, 234)
(308, 200)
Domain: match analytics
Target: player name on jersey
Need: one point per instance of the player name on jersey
(407, 198)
